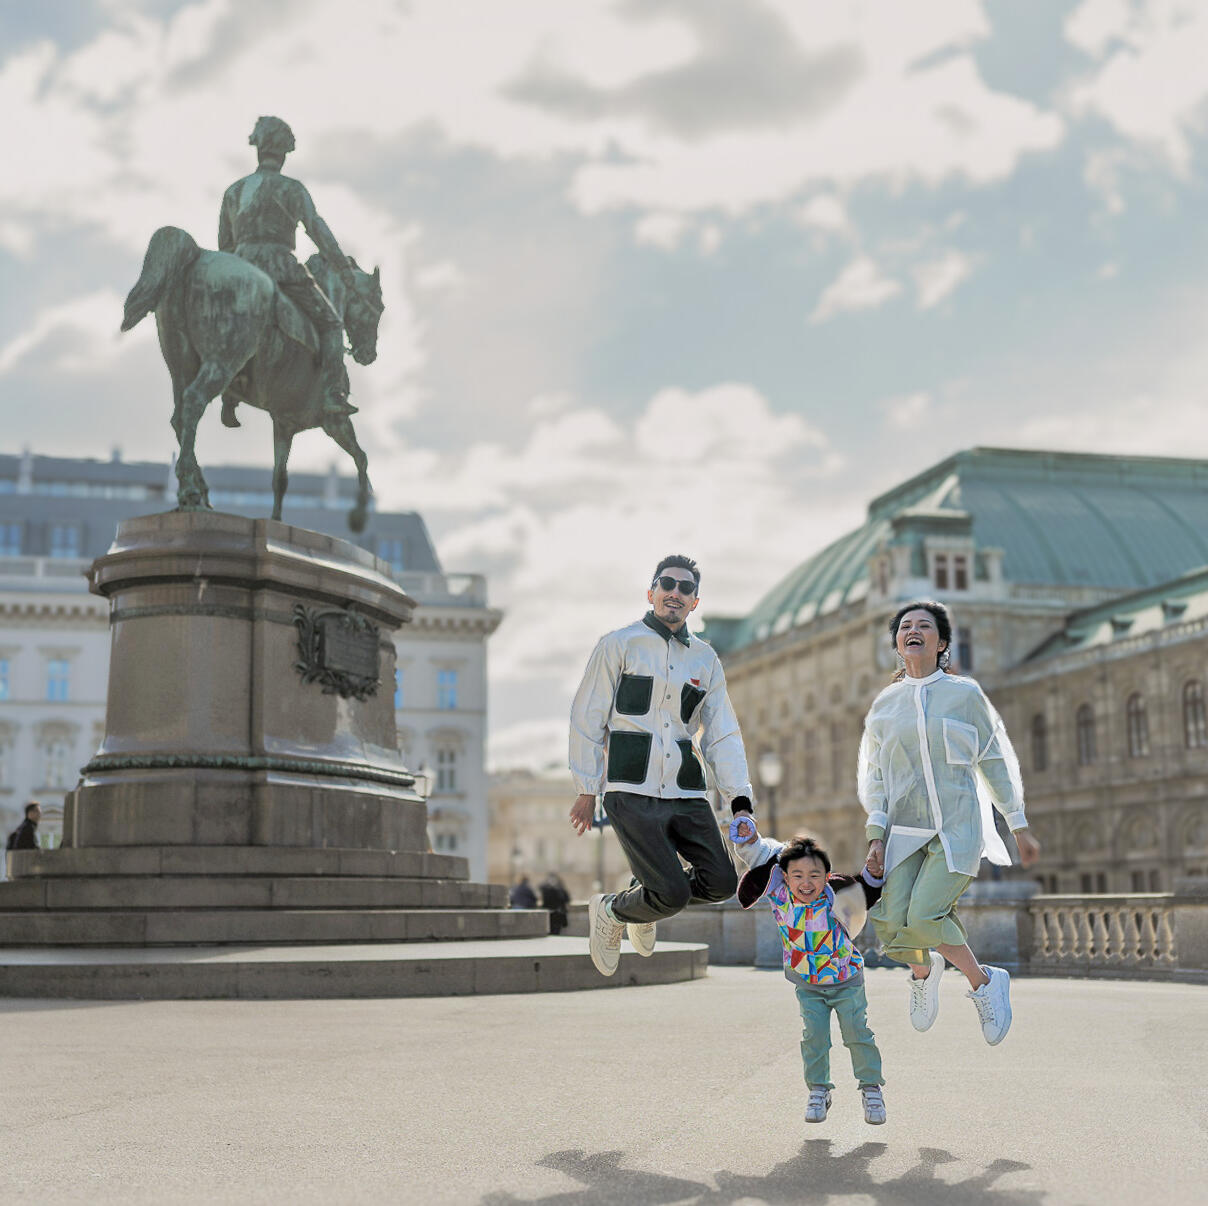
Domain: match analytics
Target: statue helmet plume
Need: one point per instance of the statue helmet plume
(272, 137)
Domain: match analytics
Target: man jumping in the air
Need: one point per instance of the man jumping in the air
(651, 706)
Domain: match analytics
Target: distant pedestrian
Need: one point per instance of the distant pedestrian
(934, 759)
(651, 713)
(522, 895)
(25, 836)
(817, 916)
(555, 898)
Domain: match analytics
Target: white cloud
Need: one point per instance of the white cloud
(1152, 87)
(662, 230)
(936, 279)
(88, 323)
(824, 212)
(907, 410)
(860, 286)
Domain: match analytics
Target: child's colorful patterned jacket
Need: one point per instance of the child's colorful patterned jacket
(817, 937)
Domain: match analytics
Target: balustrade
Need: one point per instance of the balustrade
(1127, 933)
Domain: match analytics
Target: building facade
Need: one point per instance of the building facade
(58, 514)
(1020, 546)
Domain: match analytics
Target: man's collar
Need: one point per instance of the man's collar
(681, 634)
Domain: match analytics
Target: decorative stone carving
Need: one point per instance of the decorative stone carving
(339, 648)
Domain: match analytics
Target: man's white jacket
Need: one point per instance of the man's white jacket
(651, 711)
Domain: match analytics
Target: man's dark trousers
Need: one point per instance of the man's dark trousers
(654, 833)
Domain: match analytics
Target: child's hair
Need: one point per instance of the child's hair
(800, 845)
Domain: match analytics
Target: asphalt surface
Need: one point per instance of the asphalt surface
(678, 1093)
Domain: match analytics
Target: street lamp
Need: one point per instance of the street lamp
(771, 771)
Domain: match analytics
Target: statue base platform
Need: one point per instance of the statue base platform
(248, 827)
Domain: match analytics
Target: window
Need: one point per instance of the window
(1138, 726)
(1084, 726)
(837, 761)
(58, 680)
(1195, 727)
(10, 540)
(1040, 743)
(398, 688)
(960, 573)
(5, 679)
(941, 571)
(1155, 880)
(446, 769)
(964, 650)
(446, 690)
(1138, 881)
(56, 754)
(64, 540)
(392, 551)
(811, 762)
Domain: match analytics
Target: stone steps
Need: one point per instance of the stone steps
(422, 969)
(137, 892)
(149, 927)
(235, 860)
(349, 971)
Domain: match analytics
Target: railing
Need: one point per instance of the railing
(444, 590)
(1104, 933)
(43, 567)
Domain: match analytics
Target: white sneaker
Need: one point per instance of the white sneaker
(641, 937)
(993, 1003)
(925, 995)
(604, 935)
(818, 1105)
(874, 1104)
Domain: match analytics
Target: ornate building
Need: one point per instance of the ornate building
(1029, 550)
(57, 514)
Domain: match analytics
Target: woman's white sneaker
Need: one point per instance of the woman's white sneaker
(874, 1104)
(993, 1001)
(818, 1105)
(925, 995)
(641, 937)
(604, 935)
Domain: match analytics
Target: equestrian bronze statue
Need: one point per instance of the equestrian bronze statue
(253, 324)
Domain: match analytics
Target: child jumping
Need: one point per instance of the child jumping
(816, 913)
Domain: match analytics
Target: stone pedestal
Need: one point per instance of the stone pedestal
(251, 697)
(248, 802)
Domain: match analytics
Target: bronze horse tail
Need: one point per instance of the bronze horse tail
(170, 254)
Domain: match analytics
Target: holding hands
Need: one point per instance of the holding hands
(742, 829)
(876, 858)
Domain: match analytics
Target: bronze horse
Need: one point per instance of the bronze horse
(217, 317)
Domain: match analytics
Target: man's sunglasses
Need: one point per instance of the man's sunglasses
(686, 585)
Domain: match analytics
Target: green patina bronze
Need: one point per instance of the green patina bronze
(250, 323)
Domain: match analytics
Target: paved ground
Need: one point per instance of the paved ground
(679, 1093)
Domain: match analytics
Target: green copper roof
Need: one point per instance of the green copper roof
(1060, 518)
(1179, 601)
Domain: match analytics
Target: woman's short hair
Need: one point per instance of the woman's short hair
(800, 845)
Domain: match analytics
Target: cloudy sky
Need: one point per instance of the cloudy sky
(698, 275)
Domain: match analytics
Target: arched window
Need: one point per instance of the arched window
(1040, 743)
(1084, 725)
(1195, 725)
(1138, 726)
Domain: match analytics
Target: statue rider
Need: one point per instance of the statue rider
(259, 221)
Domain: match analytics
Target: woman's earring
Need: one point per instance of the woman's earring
(901, 661)
(944, 658)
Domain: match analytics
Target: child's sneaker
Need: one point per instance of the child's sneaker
(604, 935)
(874, 1104)
(925, 995)
(641, 937)
(993, 1003)
(818, 1105)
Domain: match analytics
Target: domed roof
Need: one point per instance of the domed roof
(1060, 519)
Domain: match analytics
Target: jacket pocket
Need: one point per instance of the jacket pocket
(961, 743)
(690, 698)
(634, 692)
(628, 757)
(691, 775)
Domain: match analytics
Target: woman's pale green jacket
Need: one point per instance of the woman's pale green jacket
(934, 759)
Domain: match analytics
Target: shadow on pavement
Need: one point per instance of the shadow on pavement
(813, 1175)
